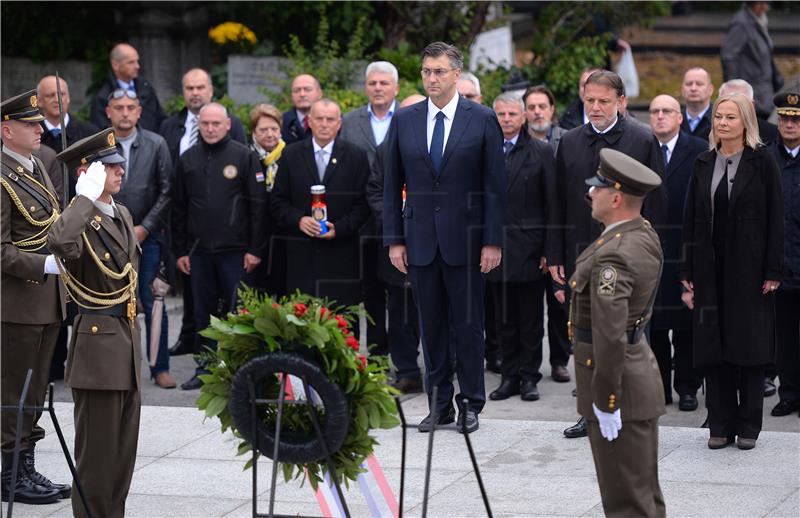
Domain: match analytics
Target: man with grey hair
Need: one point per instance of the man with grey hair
(469, 87)
(516, 288)
(448, 152)
(366, 127)
(766, 130)
(218, 220)
(125, 74)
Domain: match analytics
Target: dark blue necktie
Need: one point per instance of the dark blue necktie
(664, 151)
(56, 132)
(437, 142)
(507, 145)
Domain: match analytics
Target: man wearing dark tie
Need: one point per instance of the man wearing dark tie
(678, 151)
(448, 152)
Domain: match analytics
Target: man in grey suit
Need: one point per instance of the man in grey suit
(366, 127)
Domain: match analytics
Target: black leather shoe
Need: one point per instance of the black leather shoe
(26, 491)
(687, 402)
(194, 383)
(575, 392)
(785, 407)
(528, 391)
(507, 388)
(560, 374)
(180, 347)
(467, 421)
(668, 399)
(27, 459)
(577, 430)
(442, 419)
(408, 385)
(494, 365)
(769, 387)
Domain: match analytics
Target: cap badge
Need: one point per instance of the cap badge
(792, 99)
(230, 172)
(34, 101)
(608, 281)
(110, 139)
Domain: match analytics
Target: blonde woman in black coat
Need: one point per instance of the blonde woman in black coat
(733, 244)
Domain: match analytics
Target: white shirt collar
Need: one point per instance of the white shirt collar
(671, 143)
(126, 86)
(26, 162)
(388, 115)
(328, 147)
(106, 208)
(608, 128)
(51, 127)
(300, 116)
(512, 140)
(793, 151)
(449, 109)
(613, 225)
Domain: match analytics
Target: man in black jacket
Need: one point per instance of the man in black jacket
(48, 103)
(323, 264)
(697, 90)
(517, 286)
(145, 193)
(125, 74)
(570, 225)
(217, 220)
(181, 132)
(306, 90)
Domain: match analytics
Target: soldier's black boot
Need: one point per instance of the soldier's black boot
(26, 490)
(27, 459)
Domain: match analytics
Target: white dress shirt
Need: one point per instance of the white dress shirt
(188, 124)
(51, 127)
(380, 126)
(449, 111)
(670, 146)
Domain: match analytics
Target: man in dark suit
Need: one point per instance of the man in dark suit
(367, 127)
(448, 152)
(306, 90)
(570, 225)
(181, 131)
(125, 74)
(678, 150)
(323, 262)
(48, 103)
(517, 286)
(697, 90)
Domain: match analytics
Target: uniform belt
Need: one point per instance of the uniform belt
(120, 310)
(585, 335)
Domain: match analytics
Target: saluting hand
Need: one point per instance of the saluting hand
(92, 181)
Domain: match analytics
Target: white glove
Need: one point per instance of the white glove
(610, 424)
(92, 182)
(50, 265)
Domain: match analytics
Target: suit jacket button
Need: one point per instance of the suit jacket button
(436, 209)
(94, 329)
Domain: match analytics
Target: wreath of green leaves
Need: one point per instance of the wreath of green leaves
(260, 326)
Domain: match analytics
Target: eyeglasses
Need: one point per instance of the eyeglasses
(665, 111)
(438, 72)
(119, 93)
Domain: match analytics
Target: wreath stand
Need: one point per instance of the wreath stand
(22, 408)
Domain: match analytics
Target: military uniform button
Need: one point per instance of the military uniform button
(33, 208)
(94, 329)
(600, 241)
(107, 255)
(573, 283)
(588, 362)
(618, 235)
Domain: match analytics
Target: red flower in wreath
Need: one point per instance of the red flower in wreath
(244, 311)
(276, 305)
(352, 342)
(324, 314)
(341, 322)
(299, 309)
(363, 360)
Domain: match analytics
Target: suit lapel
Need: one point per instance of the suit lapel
(110, 227)
(13, 166)
(336, 156)
(744, 173)
(704, 176)
(311, 162)
(460, 122)
(420, 124)
(366, 128)
(515, 157)
(679, 154)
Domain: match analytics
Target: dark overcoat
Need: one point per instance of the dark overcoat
(670, 312)
(528, 165)
(753, 254)
(325, 268)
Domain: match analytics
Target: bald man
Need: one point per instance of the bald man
(48, 104)
(124, 75)
(306, 90)
(696, 91)
(678, 150)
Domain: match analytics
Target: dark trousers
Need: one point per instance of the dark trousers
(106, 438)
(188, 327)
(148, 269)
(735, 400)
(687, 378)
(373, 294)
(403, 331)
(519, 325)
(627, 470)
(441, 290)
(560, 347)
(215, 278)
(787, 318)
(25, 346)
(492, 350)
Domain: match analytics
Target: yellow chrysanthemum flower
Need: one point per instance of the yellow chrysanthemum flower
(231, 32)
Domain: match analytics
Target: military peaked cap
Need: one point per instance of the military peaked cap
(23, 107)
(623, 173)
(787, 103)
(101, 146)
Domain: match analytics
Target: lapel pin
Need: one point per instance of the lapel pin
(333, 160)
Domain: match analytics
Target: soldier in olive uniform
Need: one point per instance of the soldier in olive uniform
(613, 289)
(33, 299)
(99, 258)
